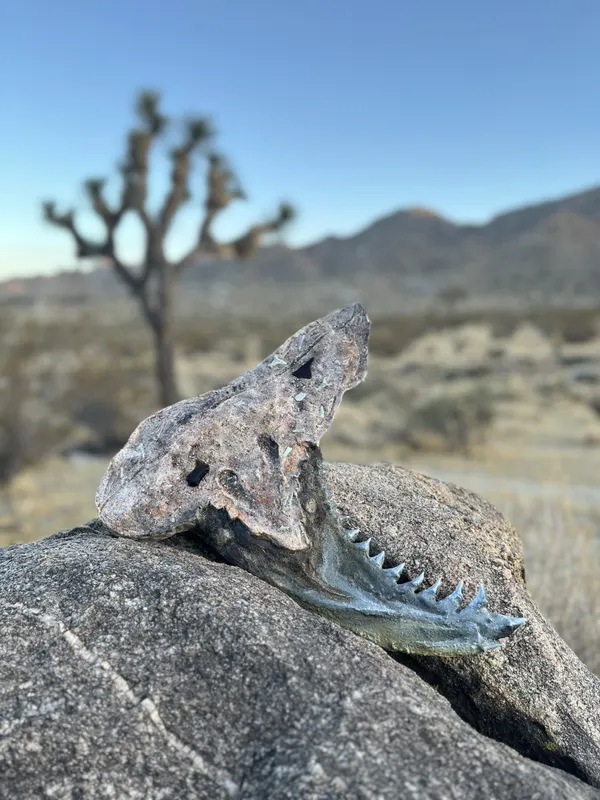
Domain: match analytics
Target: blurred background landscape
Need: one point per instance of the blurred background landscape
(184, 187)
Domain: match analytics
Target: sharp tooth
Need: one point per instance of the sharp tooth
(457, 593)
(453, 601)
(515, 622)
(479, 601)
(432, 590)
(415, 583)
(396, 571)
(364, 545)
(378, 559)
(351, 534)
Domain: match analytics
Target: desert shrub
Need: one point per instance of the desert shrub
(69, 382)
(11, 430)
(457, 421)
(391, 334)
(595, 404)
(564, 324)
(17, 301)
(99, 416)
(450, 296)
(21, 443)
(198, 336)
(572, 325)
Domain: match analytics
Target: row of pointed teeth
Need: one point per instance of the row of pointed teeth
(454, 598)
(449, 604)
(353, 533)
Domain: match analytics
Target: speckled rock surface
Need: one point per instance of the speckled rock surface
(534, 692)
(143, 670)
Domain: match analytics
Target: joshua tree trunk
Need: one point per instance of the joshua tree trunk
(164, 345)
(153, 282)
(165, 366)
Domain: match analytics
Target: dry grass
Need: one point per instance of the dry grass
(55, 494)
(562, 560)
(560, 534)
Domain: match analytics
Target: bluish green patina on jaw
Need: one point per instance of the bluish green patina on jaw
(242, 466)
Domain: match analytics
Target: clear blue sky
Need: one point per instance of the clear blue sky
(349, 108)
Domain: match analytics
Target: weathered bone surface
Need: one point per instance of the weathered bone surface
(242, 465)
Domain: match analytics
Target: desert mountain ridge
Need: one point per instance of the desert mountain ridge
(549, 251)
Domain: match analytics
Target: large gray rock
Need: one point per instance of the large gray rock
(533, 693)
(143, 670)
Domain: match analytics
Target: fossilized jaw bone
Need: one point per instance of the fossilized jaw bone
(239, 448)
(338, 577)
(243, 464)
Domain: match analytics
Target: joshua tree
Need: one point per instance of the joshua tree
(152, 283)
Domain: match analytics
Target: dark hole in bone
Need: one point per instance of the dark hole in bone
(270, 446)
(229, 480)
(304, 370)
(199, 472)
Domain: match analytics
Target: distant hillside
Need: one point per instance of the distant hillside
(544, 252)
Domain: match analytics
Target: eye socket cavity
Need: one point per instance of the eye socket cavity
(229, 480)
(269, 446)
(304, 371)
(199, 472)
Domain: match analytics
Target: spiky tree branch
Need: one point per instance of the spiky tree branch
(222, 188)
